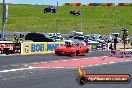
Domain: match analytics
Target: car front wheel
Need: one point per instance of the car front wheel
(87, 51)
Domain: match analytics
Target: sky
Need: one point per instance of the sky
(53, 2)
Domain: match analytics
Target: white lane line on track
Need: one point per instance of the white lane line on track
(13, 70)
(68, 60)
(56, 67)
(75, 59)
(90, 65)
(109, 63)
(30, 67)
(54, 61)
(4, 55)
(64, 60)
(96, 64)
(112, 62)
(105, 63)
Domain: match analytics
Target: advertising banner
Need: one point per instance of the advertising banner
(10, 48)
(39, 47)
(121, 54)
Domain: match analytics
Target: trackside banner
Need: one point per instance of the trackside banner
(123, 54)
(39, 47)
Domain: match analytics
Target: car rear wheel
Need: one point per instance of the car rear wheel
(77, 53)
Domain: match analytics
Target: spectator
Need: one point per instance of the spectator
(100, 37)
(86, 41)
(115, 43)
(21, 38)
(111, 47)
(15, 39)
(93, 37)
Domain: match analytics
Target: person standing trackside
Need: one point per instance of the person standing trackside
(21, 38)
(86, 41)
(15, 39)
(115, 43)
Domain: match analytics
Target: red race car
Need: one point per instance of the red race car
(72, 49)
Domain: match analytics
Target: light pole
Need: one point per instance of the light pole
(56, 19)
(81, 18)
(125, 35)
(3, 20)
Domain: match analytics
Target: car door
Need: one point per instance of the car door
(83, 48)
(80, 48)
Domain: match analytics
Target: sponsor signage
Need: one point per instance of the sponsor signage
(126, 54)
(40, 47)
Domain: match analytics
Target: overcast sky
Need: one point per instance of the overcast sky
(53, 2)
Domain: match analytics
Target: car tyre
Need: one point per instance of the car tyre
(77, 53)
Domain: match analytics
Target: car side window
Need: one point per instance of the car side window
(81, 44)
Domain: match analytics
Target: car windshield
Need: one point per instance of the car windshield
(69, 44)
(46, 36)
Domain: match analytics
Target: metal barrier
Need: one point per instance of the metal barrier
(99, 46)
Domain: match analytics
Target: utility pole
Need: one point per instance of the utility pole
(125, 35)
(3, 20)
(81, 18)
(56, 19)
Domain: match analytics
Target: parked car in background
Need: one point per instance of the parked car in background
(116, 35)
(51, 35)
(75, 33)
(79, 37)
(38, 37)
(96, 38)
(107, 38)
(129, 40)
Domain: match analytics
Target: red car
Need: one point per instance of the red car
(72, 49)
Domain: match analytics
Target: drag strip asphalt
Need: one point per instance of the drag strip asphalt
(21, 61)
(62, 78)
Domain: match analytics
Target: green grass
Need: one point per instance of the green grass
(102, 20)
